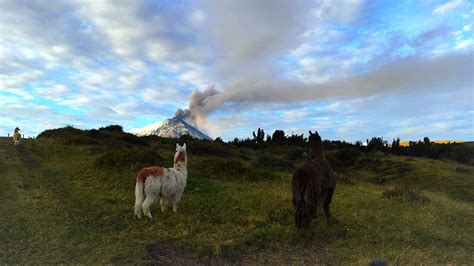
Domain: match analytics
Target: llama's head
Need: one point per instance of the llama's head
(314, 137)
(316, 145)
(17, 129)
(180, 157)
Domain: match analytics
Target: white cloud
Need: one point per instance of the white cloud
(448, 6)
(197, 17)
(24, 94)
(465, 44)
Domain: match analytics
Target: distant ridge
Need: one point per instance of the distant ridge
(170, 128)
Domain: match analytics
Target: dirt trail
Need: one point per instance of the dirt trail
(24, 156)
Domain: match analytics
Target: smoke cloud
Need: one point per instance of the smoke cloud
(200, 105)
(409, 75)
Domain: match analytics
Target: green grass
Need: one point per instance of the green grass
(58, 205)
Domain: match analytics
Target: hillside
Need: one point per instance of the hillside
(67, 197)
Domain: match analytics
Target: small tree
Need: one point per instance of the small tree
(259, 137)
(426, 140)
(278, 137)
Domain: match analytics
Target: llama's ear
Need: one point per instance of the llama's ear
(184, 146)
(177, 146)
(310, 133)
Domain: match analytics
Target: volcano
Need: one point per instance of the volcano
(171, 128)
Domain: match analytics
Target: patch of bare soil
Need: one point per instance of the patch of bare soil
(25, 157)
(166, 254)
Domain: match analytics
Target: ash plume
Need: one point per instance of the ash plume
(200, 105)
(403, 76)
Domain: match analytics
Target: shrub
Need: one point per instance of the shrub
(379, 179)
(367, 163)
(343, 178)
(344, 158)
(464, 170)
(131, 159)
(394, 168)
(348, 155)
(124, 140)
(405, 194)
(225, 168)
(208, 148)
(295, 154)
(261, 174)
(272, 162)
(71, 135)
(112, 128)
(64, 132)
(81, 140)
(383, 167)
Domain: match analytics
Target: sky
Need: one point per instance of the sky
(349, 69)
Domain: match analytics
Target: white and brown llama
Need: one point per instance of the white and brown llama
(16, 137)
(167, 184)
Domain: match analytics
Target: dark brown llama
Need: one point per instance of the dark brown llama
(313, 184)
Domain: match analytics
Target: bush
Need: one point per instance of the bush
(295, 154)
(112, 128)
(343, 178)
(209, 149)
(125, 140)
(344, 158)
(272, 162)
(128, 159)
(405, 194)
(464, 170)
(71, 135)
(64, 132)
(348, 155)
(367, 163)
(380, 179)
(261, 174)
(223, 168)
(394, 168)
(81, 140)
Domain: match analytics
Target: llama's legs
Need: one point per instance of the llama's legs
(175, 203)
(138, 212)
(175, 206)
(162, 204)
(327, 201)
(147, 203)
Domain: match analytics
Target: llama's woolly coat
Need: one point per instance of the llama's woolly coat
(16, 137)
(166, 184)
(312, 186)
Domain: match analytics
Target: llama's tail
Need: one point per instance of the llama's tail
(297, 187)
(299, 203)
(304, 197)
(139, 198)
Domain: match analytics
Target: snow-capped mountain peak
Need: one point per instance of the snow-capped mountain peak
(171, 128)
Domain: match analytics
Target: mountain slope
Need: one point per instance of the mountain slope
(171, 128)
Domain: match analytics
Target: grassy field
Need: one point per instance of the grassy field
(70, 200)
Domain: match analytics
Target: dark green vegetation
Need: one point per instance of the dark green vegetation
(67, 197)
(460, 152)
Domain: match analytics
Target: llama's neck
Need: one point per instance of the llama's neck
(180, 167)
(317, 151)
